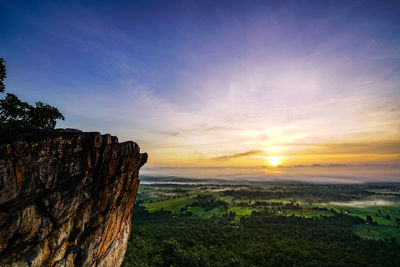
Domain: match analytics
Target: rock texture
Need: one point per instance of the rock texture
(66, 197)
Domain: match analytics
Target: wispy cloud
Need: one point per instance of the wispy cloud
(239, 155)
(374, 147)
(201, 128)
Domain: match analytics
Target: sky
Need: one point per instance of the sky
(220, 88)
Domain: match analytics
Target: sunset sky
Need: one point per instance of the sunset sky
(231, 84)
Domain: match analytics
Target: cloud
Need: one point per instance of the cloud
(238, 155)
(377, 147)
(264, 94)
(207, 129)
(170, 133)
(317, 165)
(180, 131)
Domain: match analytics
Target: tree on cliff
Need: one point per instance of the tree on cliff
(16, 114)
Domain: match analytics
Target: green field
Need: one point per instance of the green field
(274, 224)
(382, 215)
(377, 232)
(172, 204)
(382, 205)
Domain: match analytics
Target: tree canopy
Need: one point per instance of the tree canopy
(17, 114)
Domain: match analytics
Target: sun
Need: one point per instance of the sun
(274, 161)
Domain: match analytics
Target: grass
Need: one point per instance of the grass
(308, 213)
(207, 214)
(176, 204)
(242, 211)
(377, 232)
(392, 211)
(157, 198)
(172, 204)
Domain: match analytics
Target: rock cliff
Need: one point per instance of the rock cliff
(66, 197)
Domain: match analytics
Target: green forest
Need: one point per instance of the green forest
(265, 225)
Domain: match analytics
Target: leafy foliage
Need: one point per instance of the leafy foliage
(208, 202)
(264, 225)
(17, 114)
(262, 239)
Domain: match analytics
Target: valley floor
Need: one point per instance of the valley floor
(275, 224)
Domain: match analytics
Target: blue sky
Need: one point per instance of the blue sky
(194, 81)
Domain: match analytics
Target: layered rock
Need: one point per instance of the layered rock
(66, 197)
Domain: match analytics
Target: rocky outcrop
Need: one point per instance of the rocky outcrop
(66, 197)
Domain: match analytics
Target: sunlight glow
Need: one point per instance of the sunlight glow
(274, 161)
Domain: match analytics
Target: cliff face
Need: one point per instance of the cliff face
(66, 198)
